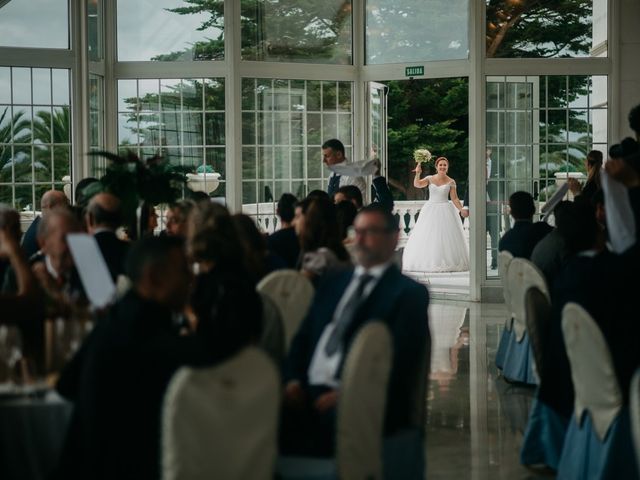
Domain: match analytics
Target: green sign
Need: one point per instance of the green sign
(414, 71)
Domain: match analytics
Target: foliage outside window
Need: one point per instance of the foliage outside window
(35, 134)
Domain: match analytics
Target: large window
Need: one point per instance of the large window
(400, 31)
(170, 30)
(539, 131)
(181, 119)
(35, 134)
(299, 31)
(34, 23)
(559, 28)
(284, 123)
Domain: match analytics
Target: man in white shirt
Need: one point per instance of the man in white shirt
(333, 153)
(344, 302)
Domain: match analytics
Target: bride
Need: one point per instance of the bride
(436, 243)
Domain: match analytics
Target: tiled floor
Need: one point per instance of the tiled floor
(475, 420)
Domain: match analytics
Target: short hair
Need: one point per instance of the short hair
(390, 220)
(634, 119)
(183, 208)
(286, 207)
(60, 211)
(334, 144)
(352, 193)
(102, 216)
(628, 151)
(318, 194)
(150, 252)
(199, 196)
(522, 206)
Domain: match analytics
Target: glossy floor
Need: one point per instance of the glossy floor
(475, 420)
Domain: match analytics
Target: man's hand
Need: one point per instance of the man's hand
(326, 401)
(464, 212)
(574, 186)
(293, 394)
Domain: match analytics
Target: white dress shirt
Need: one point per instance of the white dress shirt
(323, 368)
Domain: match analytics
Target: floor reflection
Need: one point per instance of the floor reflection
(475, 420)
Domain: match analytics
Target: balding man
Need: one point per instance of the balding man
(51, 199)
(103, 217)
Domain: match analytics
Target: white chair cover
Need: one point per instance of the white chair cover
(504, 260)
(221, 422)
(521, 276)
(292, 292)
(272, 340)
(594, 378)
(361, 409)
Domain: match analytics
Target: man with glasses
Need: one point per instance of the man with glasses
(344, 302)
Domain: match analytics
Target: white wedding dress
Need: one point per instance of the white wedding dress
(436, 243)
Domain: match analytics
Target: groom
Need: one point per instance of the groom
(333, 153)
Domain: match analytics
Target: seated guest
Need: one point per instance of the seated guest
(103, 218)
(344, 302)
(550, 253)
(258, 261)
(284, 242)
(50, 200)
(118, 378)
(624, 166)
(525, 234)
(227, 309)
(320, 243)
(349, 193)
(176, 218)
(345, 215)
(380, 192)
(19, 306)
(593, 164)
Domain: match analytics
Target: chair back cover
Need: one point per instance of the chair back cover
(594, 377)
(292, 292)
(634, 400)
(361, 409)
(272, 340)
(538, 315)
(521, 276)
(221, 422)
(504, 259)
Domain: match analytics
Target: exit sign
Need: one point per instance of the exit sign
(414, 71)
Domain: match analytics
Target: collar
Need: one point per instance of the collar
(102, 229)
(588, 253)
(376, 272)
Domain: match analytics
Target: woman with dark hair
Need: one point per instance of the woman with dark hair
(593, 164)
(320, 242)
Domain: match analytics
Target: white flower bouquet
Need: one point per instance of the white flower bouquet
(422, 155)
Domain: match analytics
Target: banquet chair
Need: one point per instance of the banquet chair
(360, 414)
(518, 359)
(222, 421)
(634, 407)
(504, 259)
(598, 443)
(546, 429)
(292, 292)
(272, 339)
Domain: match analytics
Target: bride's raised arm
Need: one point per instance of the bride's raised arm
(417, 181)
(453, 193)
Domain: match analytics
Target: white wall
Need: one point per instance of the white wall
(628, 85)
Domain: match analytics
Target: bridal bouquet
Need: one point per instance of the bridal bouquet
(422, 155)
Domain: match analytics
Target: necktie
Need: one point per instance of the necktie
(334, 185)
(348, 312)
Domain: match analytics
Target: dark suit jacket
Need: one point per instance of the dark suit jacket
(381, 194)
(396, 300)
(114, 252)
(30, 239)
(284, 243)
(523, 237)
(117, 382)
